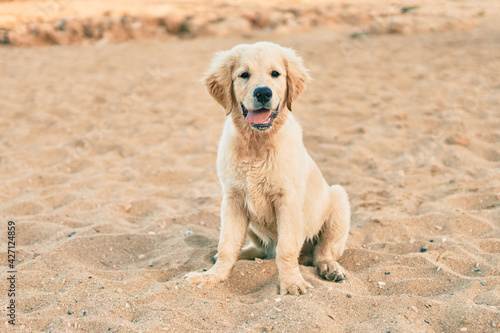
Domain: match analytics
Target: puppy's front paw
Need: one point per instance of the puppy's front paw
(203, 280)
(294, 285)
(331, 270)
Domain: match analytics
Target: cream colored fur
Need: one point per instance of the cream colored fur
(272, 189)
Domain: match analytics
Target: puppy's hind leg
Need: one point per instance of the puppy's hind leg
(255, 249)
(333, 236)
(307, 253)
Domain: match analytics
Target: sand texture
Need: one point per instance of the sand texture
(108, 167)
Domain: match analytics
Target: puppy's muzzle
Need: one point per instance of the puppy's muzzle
(261, 113)
(263, 95)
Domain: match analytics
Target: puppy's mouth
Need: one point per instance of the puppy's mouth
(260, 119)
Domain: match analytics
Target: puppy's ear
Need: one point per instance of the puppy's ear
(218, 78)
(296, 76)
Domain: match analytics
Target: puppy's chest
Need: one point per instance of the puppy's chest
(262, 189)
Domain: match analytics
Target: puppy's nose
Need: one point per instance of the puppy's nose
(263, 94)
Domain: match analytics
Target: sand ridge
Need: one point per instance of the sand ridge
(34, 22)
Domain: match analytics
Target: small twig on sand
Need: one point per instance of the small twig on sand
(439, 256)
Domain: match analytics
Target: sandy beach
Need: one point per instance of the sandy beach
(108, 170)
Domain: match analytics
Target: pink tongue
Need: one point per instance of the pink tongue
(258, 117)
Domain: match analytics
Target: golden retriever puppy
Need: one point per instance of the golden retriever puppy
(272, 189)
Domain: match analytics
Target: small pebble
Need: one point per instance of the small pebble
(141, 256)
(150, 264)
(423, 249)
(387, 273)
(189, 233)
(70, 312)
(483, 283)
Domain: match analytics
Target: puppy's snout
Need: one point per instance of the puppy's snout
(263, 94)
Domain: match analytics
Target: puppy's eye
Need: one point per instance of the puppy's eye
(275, 74)
(245, 75)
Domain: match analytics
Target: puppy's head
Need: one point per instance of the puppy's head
(257, 81)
